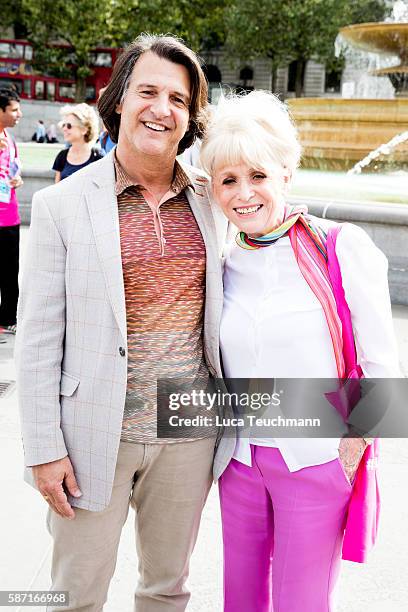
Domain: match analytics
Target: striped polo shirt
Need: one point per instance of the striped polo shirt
(164, 265)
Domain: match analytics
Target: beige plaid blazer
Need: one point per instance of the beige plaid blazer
(71, 344)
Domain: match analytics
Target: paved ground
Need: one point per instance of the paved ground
(25, 548)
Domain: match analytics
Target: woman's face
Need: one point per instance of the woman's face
(251, 199)
(72, 130)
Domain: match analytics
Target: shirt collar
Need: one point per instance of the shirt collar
(181, 179)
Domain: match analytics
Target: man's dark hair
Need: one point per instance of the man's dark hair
(173, 50)
(7, 95)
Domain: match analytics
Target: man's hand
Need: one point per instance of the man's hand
(52, 479)
(350, 451)
(16, 182)
(3, 143)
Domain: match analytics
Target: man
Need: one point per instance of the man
(10, 180)
(120, 258)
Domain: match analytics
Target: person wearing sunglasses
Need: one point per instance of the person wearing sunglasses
(80, 129)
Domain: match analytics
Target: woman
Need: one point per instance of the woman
(80, 129)
(284, 501)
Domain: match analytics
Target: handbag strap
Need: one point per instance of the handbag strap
(349, 347)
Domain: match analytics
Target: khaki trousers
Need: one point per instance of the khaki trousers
(167, 485)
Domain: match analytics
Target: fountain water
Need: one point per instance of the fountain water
(384, 149)
(383, 45)
(337, 133)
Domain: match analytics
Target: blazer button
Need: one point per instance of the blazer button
(122, 351)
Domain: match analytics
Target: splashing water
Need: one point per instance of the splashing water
(384, 149)
(399, 12)
(361, 65)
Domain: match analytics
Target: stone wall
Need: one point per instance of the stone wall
(34, 180)
(386, 224)
(230, 69)
(33, 110)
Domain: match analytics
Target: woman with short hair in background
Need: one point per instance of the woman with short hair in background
(80, 130)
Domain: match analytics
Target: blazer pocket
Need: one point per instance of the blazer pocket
(68, 384)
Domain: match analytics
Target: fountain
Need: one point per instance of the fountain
(336, 133)
(384, 39)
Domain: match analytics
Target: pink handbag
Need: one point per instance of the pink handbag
(364, 509)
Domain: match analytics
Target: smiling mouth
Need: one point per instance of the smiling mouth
(248, 210)
(155, 127)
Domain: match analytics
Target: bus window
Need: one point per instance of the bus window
(4, 49)
(90, 92)
(51, 91)
(27, 88)
(11, 50)
(101, 59)
(39, 90)
(28, 55)
(67, 90)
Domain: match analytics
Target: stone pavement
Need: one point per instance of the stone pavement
(25, 546)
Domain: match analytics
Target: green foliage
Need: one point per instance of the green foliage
(369, 10)
(11, 16)
(85, 24)
(288, 30)
(283, 30)
(196, 22)
(51, 61)
(80, 24)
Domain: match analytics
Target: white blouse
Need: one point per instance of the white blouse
(273, 326)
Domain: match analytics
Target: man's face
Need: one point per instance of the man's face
(155, 111)
(10, 117)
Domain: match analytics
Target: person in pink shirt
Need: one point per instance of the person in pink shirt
(10, 180)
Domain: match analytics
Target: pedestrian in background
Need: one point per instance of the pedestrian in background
(51, 136)
(80, 129)
(39, 134)
(105, 141)
(10, 180)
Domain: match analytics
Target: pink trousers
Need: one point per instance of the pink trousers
(282, 533)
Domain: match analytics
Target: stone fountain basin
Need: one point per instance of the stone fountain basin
(387, 38)
(336, 133)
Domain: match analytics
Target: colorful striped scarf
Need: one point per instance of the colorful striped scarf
(292, 214)
(308, 242)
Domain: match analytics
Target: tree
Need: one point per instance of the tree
(292, 30)
(11, 16)
(198, 23)
(258, 28)
(85, 24)
(79, 23)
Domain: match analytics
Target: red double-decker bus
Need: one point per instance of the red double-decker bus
(16, 58)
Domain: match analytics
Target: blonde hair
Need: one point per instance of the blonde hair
(254, 128)
(87, 118)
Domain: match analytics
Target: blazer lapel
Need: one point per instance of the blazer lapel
(214, 236)
(210, 218)
(103, 213)
(202, 211)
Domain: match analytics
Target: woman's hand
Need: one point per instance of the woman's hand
(350, 452)
(15, 182)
